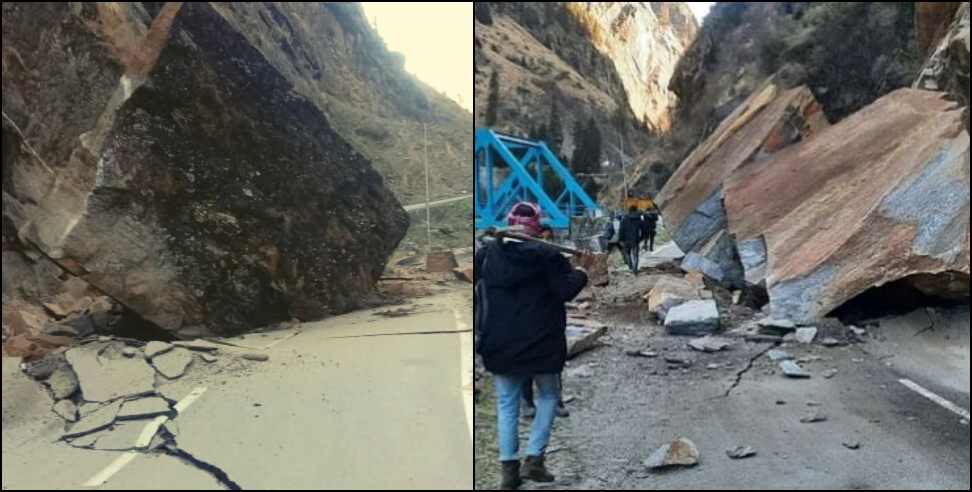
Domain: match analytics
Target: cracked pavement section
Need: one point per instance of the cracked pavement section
(105, 376)
(325, 411)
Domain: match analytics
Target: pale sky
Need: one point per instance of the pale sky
(436, 39)
(701, 9)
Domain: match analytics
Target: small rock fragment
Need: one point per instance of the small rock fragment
(806, 335)
(105, 339)
(681, 452)
(67, 410)
(198, 346)
(709, 344)
(813, 417)
(778, 355)
(830, 373)
(42, 369)
(764, 339)
(256, 357)
(208, 358)
(964, 422)
(814, 404)
(852, 445)
(63, 383)
(678, 361)
(129, 352)
(713, 367)
(780, 402)
(581, 372)
(741, 452)
(792, 370)
(830, 342)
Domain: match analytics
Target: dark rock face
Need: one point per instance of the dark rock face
(179, 172)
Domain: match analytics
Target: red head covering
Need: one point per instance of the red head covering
(525, 215)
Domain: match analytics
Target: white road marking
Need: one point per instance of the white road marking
(144, 439)
(466, 368)
(961, 412)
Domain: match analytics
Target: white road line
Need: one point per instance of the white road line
(961, 412)
(466, 368)
(144, 439)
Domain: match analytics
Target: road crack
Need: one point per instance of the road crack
(749, 367)
(172, 449)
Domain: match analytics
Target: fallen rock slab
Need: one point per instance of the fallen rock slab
(105, 379)
(273, 189)
(830, 239)
(679, 453)
(97, 421)
(693, 318)
(173, 364)
(671, 292)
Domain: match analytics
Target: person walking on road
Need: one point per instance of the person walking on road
(522, 291)
(630, 238)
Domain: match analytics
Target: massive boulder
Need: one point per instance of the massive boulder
(153, 151)
(881, 197)
(821, 214)
(692, 200)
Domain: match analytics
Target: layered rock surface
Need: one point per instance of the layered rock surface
(157, 153)
(821, 214)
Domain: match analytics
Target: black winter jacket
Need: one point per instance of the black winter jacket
(630, 230)
(520, 314)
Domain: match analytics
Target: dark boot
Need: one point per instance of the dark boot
(511, 476)
(534, 469)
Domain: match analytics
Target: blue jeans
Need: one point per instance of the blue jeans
(509, 392)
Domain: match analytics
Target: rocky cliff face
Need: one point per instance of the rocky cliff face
(847, 53)
(571, 61)
(169, 156)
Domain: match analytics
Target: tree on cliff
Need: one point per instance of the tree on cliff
(587, 154)
(492, 103)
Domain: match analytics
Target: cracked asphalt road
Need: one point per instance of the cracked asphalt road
(631, 406)
(326, 412)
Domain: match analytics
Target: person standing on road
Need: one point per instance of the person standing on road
(523, 289)
(630, 238)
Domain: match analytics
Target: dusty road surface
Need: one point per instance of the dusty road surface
(897, 398)
(375, 399)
